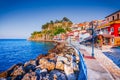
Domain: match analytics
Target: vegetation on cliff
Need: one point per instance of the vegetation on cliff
(51, 29)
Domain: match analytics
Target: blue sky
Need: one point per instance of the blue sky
(19, 18)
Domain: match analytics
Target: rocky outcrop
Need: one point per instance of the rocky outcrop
(61, 63)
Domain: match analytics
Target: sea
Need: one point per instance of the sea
(13, 51)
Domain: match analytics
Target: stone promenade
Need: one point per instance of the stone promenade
(100, 67)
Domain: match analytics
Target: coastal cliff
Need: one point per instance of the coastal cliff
(61, 63)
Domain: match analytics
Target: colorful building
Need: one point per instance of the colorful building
(111, 28)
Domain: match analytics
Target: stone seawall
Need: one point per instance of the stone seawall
(61, 63)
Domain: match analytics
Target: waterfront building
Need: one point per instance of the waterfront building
(110, 29)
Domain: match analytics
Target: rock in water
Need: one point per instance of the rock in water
(18, 71)
(59, 65)
(69, 72)
(30, 76)
(32, 62)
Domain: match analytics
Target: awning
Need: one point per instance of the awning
(107, 35)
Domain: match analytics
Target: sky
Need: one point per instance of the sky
(19, 18)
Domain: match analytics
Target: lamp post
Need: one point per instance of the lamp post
(92, 54)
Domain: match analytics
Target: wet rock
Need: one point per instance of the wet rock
(40, 56)
(57, 75)
(3, 74)
(30, 76)
(59, 65)
(32, 62)
(29, 67)
(18, 71)
(69, 72)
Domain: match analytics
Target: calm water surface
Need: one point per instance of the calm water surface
(14, 51)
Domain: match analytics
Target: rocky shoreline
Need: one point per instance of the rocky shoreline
(61, 63)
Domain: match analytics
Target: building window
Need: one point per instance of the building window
(113, 17)
(117, 16)
(112, 29)
(107, 19)
(119, 30)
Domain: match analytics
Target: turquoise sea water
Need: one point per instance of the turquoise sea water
(13, 51)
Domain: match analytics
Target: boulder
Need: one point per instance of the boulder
(18, 71)
(68, 56)
(40, 56)
(29, 68)
(64, 59)
(59, 65)
(60, 46)
(44, 75)
(45, 64)
(38, 71)
(30, 76)
(50, 66)
(43, 61)
(51, 55)
(69, 72)
(74, 66)
(32, 62)
(3, 74)
(57, 75)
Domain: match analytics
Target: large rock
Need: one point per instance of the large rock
(29, 68)
(69, 72)
(68, 56)
(57, 75)
(51, 55)
(64, 59)
(74, 66)
(59, 65)
(18, 71)
(45, 64)
(42, 74)
(60, 46)
(43, 61)
(50, 66)
(30, 76)
(32, 62)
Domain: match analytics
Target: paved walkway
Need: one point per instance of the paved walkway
(100, 67)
